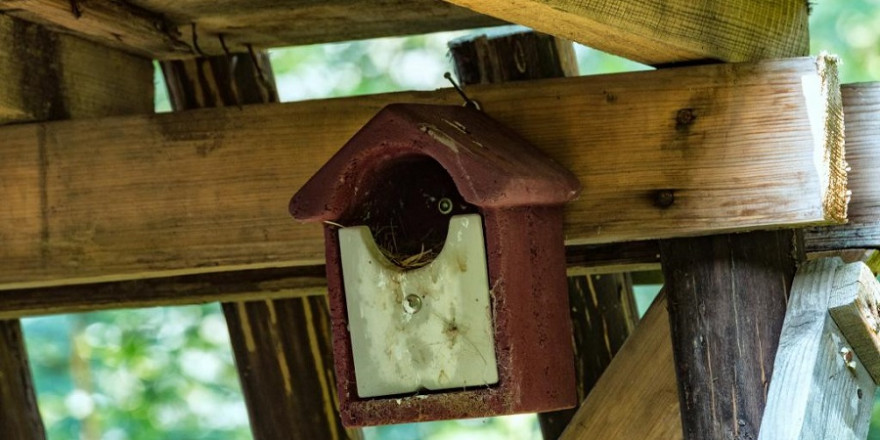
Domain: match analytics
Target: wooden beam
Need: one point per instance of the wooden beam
(861, 109)
(19, 412)
(206, 190)
(173, 29)
(49, 76)
(636, 397)
(283, 348)
(725, 293)
(249, 285)
(854, 308)
(820, 387)
(665, 32)
(61, 65)
(232, 286)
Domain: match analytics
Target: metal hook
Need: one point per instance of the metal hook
(468, 102)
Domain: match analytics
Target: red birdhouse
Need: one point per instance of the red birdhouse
(445, 268)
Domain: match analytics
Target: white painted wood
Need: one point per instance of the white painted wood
(819, 388)
(420, 328)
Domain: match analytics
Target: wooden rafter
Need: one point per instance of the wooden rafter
(171, 29)
(206, 190)
(666, 31)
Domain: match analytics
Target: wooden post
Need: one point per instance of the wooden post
(48, 76)
(603, 308)
(727, 296)
(822, 386)
(282, 347)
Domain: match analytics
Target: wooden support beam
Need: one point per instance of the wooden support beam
(49, 76)
(727, 296)
(665, 32)
(19, 413)
(283, 348)
(240, 285)
(61, 65)
(173, 29)
(861, 109)
(820, 387)
(636, 397)
(206, 190)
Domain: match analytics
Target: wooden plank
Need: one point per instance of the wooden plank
(60, 65)
(283, 348)
(636, 397)
(854, 308)
(19, 414)
(820, 387)
(665, 32)
(48, 76)
(725, 293)
(861, 109)
(171, 29)
(206, 190)
(240, 285)
(111, 23)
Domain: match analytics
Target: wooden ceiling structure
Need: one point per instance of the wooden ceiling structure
(736, 131)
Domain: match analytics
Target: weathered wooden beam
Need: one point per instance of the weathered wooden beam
(665, 32)
(232, 286)
(725, 293)
(172, 29)
(19, 412)
(50, 76)
(61, 65)
(820, 387)
(283, 348)
(636, 397)
(249, 285)
(855, 308)
(205, 190)
(861, 109)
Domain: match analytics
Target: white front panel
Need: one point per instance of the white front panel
(426, 328)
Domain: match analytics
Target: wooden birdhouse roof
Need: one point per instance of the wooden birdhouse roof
(491, 165)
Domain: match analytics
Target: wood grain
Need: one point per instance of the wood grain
(725, 293)
(854, 308)
(50, 76)
(668, 31)
(61, 65)
(820, 388)
(282, 347)
(19, 414)
(636, 397)
(171, 29)
(206, 190)
(239, 285)
(861, 109)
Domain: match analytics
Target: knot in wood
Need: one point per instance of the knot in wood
(664, 198)
(684, 118)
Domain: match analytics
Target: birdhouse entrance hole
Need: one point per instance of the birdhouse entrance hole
(407, 207)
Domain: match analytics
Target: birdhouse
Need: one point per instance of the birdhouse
(445, 268)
